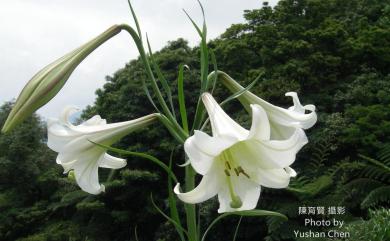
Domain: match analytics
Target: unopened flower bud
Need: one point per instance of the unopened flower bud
(49, 81)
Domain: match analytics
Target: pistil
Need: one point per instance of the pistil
(235, 199)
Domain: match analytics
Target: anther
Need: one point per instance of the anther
(236, 171)
(240, 170)
(228, 165)
(227, 173)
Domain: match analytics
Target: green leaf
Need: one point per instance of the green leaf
(182, 105)
(135, 20)
(161, 77)
(139, 154)
(247, 213)
(375, 162)
(314, 188)
(239, 93)
(148, 95)
(237, 227)
(167, 217)
(193, 23)
(214, 61)
(136, 234)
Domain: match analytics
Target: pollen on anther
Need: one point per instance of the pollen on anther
(228, 165)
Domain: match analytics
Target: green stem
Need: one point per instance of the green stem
(190, 208)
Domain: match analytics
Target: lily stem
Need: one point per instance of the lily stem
(190, 208)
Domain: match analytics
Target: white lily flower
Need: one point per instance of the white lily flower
(77, 152)
(234, 162)
(283, 121)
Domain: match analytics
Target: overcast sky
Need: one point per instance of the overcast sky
(36, 32)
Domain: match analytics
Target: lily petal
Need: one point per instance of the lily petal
(86, 174)
(202, 148)
(247, 191)
(295, 116)
(291, 171)
(260, 128)
(221, 123)
(207, 188)
(108, 161)
(200, 161)
(273, 178)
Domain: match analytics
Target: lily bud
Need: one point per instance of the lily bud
(48, 82)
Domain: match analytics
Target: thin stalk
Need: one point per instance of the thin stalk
(190, 208)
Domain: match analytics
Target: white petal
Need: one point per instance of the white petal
(291, 171)
(273, 154)
(207, 188)
(212, 146)
(86, 173)
(69, 159)
(199, 160)
(108, 161)
(273, 178)
(297, 107)
(95, 120)
(294, 116)
(280, 132)
(202, 148)
(67, 113)
(248, 191)
(260, 128)
(221, 123)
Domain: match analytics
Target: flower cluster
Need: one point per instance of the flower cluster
(236, 162)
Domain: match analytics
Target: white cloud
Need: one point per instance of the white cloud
(36, 32)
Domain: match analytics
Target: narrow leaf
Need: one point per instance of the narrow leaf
(146, 90)
(237, 227)
(248, 213)
(161, 77)
(136, 234)
(135, 20)
(182, 105)
(139, 154)
(193, 23)
(166, 216)
(214, 62)
(239, 93)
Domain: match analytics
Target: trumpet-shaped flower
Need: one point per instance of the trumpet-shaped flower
(283, 121)
(235, 162)
(76, 148)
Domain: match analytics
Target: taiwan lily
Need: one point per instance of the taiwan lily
(283, 121)
(77, 150)
(235, 162)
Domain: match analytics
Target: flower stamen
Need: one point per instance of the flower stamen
(228, 165)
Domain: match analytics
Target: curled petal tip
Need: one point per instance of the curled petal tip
(177, 188)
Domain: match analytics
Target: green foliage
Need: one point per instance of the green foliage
(374, 229)
(377, 196)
